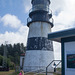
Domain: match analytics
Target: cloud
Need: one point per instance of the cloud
(66, 16)
(0, 18)
(57, 5)
(57, 50)
(63, 14)
(11, 21)
(27, 5)
(18, 37)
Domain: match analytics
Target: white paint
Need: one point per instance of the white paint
(37, 59)
(69, 49)
(21, 61)
(39, 29)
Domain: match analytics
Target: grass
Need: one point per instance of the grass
(40, 74)
(59, 69)
(56, 74)
(12, 72)
(33, 74)
(29, 74)
(7, 72)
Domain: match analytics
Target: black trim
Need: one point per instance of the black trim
(63, 57)
(28, 24)
(63, 40)
(48, 0)
(64, 36)
(61, 34)
(39, 43)
(40, 15)
(69, 39)
(37, 12)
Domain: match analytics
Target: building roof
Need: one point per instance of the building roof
(56, 36)
(23, 54)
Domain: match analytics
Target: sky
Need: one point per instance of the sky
(14, 14)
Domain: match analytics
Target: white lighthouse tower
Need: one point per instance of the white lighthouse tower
(39, 51)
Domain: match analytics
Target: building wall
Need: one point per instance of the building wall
(37, 60)
(21, 62)
(69, 49)
(39, 49)
(39, 29)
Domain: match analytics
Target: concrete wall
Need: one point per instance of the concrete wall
(37, 58)
(39, 29)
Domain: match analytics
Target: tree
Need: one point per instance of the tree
(2, 49)
(13, 53)
(10, 49)
(1, 60)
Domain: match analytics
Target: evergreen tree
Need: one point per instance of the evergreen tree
(2, 49)
(1, 60)
(13, 53)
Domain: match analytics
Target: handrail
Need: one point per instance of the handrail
(52, 20)
(58, 63)
(29, 20)
(51, 63)
(50, 11)
(40, 7)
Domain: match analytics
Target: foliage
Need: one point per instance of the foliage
(59, 69)
(56, 74)
(13, 54)
(1, 59)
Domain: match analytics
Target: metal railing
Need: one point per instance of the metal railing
(39, 7)
(29, 20)
(59, 61)
(52, 20)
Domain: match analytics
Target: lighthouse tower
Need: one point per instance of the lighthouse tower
(39, 51)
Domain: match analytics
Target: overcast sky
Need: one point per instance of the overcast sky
(14, 14)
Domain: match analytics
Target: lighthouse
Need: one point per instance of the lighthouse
(39, 51)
